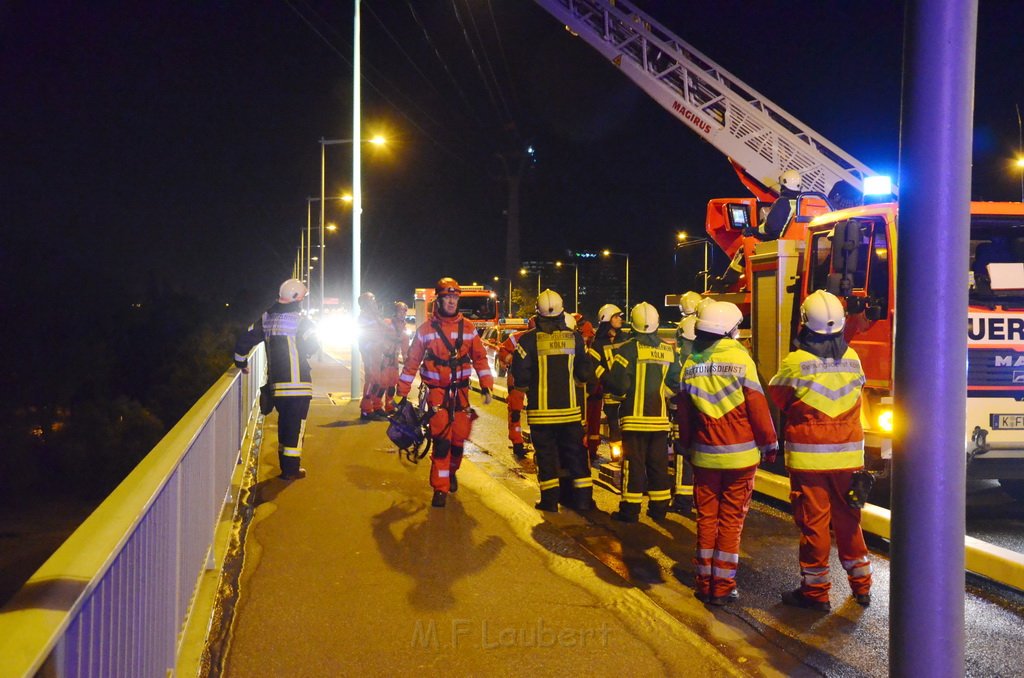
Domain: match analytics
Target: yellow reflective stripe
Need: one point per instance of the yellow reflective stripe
(293, 358)
(583, 482)
(824, 461)
(645, 424)
(548, 484)
(564, 416)
(659, 495)
(542, 384)
(728, 459)
(638, 391)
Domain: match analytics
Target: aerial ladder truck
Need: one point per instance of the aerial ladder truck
(839, 239)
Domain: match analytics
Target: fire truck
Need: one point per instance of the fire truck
(834, 242)
(478, 304)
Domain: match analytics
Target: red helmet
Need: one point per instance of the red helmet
(446, 286)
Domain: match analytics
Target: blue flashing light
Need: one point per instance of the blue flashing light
(877, 185)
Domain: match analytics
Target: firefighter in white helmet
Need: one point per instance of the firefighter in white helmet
(688, 302)
(610, 334)
(640, 370)
(780, 215)
(290, 338)
(818, 391)
(726, 425)
(547, 365)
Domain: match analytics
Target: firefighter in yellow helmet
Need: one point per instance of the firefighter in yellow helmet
(445, 350)
(609, 335)
(727, 426)
(640, 370)
(818, 391)
(547, 365)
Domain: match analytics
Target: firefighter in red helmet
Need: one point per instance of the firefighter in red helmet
(445, 350)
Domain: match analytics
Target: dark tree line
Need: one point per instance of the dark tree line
(94, 376)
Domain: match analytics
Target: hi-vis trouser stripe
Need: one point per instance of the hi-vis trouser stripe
(296, 451)
(740, 455)
(659, 495)
(727, 558)
(583, 482)
(680, 486)
(627, 496)
(814, 575)
(548, 484)
(857, 568)
(702, 566)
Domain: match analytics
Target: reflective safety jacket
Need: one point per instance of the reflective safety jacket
(643, 370)
(600, 351)
(290, 339)
(445, 351)
(372, 331)
(393, 342)
(725, 420)
(821, 401)
(548, 363)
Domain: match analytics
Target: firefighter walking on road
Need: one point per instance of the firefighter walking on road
(548, 365)
(290, 339)
(728, 427)
(640, 370)
(445, 351)
(818, 392)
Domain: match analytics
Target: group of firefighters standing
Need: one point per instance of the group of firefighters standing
(705, 387)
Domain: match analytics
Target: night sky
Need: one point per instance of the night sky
(175, 143)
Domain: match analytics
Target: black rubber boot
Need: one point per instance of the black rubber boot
(519, 450)
(439, 499)
(628, 512)
(583, 499)
(565, 492)
(796, 598)
(656, 510)
(681, 504)
(453, 482)
(548, 500)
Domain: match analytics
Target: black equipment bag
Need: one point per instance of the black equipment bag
(266, 399)
(860, 489)
(405, 428)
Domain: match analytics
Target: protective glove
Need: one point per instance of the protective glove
(398, 400)
(487, 396)
(770, 454)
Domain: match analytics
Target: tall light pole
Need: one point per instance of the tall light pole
(1020, 152)
(525, 272)
(576, 285)
(683, 242)
(508, 301)
(609, 253)
(309, 239)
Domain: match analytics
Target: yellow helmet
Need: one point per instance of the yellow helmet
(644, 318)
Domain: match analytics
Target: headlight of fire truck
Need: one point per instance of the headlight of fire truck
(884, 419)
(616, 450)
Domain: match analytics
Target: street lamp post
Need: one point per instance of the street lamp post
(576, 284)
(508, 300)
(683, 242)
(309, 243)
(524, 272)
(609, 253)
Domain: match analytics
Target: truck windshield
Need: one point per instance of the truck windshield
(477, 308)
(997, 240)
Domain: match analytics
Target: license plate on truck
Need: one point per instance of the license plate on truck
(1007, 421)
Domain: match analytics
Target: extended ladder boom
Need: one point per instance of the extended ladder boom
(748, 128)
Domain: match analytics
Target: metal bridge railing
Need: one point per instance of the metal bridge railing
(113, 599)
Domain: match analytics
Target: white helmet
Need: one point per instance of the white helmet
(823, 313)
(791, 179)
(291, 290)
(702, 304)
(644, 318)
(605, 313)
(687, 327)
(549, 304)
(570, 320)
(688, 302)
(720, 317)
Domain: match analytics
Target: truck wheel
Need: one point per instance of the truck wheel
(1013, 487)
